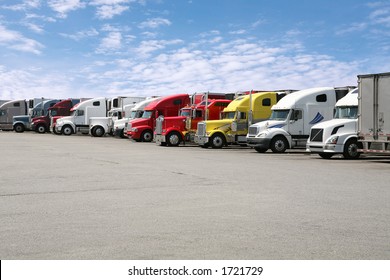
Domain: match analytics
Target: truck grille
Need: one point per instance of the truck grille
(316, 134)
(158, 128)
(201, 129)
(252, 130)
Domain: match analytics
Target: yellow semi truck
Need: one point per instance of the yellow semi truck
(232, 128)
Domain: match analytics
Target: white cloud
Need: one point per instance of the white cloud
(154, 23)
(16, 41)
(25, 5)
(92, 32)
(109, 11)
(63, 7)
(112, 42)
(147, 47)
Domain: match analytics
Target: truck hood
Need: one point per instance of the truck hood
(269, 124)
(63, 119)
(223, 125)
(21, 118)
(138, 122)
(334, 123)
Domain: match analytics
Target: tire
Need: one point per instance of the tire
(147, 136)
(326, 155)
(217, 141)
(261, 150)
(40, 128)
(97, 131)
(19, 128)
(173, 139)
(67, 130)
(350, 149)
(279, 144)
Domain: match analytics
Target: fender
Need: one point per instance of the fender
(68, 122)
(140, 129)
(272, 132)
(169, 130)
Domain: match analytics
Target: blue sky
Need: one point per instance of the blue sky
(88, 48)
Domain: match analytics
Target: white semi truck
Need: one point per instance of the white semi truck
(292, 118)
(339, 135)
(374, 113)
(81, 113)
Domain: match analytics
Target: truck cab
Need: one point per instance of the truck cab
(141, 129)
(339, 135)
(80, 116)
(130, 112)
(292, 118)
(232, 127)
(172, 131)
(10, 109)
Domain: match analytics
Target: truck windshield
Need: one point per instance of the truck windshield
(185, 112)
(36, 113)
(346, 112)
(147, 114)
(279, 115)
(53, 112)
(228, 115)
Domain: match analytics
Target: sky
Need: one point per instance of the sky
(91, 48)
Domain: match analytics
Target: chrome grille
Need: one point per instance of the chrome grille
(252, 130)
(201, 131)
(316, 134)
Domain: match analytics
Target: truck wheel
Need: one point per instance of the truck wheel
(97, 131)
(67, 130)
(350, 149)
(173, 139)
(217, 141)
(279, 144)
(147, 136)
(260, 150)
(41, 128)
(326, 155)
(19, 128)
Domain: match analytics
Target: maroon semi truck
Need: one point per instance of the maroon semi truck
(44, 123)
(141, 129)
(172, 131)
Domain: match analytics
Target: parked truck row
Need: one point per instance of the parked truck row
(326, 121)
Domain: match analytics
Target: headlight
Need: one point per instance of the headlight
(262, 134)
(134, 129)
(332, 140)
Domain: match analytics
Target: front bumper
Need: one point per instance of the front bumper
(201, 140)
(159, 139)
(327, 148)
(262, 143)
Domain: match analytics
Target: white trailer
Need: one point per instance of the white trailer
(339, 135)
(374, 115)
(292, 118)
(81, 113)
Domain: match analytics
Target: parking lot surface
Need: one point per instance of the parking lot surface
(79, 197)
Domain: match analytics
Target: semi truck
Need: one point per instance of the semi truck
(172, 131)
(339, 135)
(235, 119)
(24, 122)
(15, 108)
(374, 116)
(141, 129)
(100, 126)
(292, 118)
(41, 124)
(131, 112)
(80, 116)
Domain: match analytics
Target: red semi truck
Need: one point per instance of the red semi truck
(44, 123)
(172, 131)
(141, 129)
